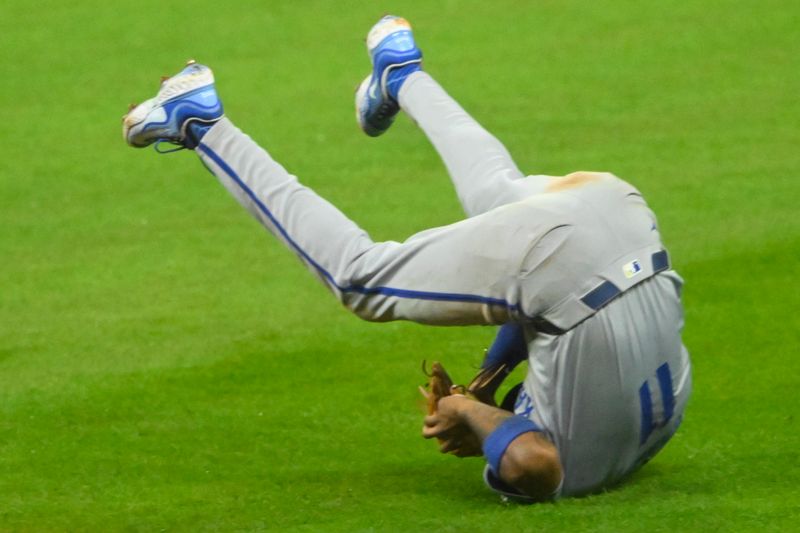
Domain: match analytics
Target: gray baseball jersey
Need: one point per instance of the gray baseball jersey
(577, 260)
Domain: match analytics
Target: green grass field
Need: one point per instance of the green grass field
(167, 365)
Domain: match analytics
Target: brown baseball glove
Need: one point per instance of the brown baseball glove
(461, 441)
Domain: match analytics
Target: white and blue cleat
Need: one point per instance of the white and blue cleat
(394, 56)
(184, 108)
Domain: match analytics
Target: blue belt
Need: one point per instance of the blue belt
(601, 295)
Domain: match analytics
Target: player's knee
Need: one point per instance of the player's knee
(531, 464)
(363, 310)
(369, 315)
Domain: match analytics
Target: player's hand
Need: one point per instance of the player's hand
(446, 418)
(446, 424)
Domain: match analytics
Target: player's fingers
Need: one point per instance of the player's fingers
(425, 394)
(436, 430)
(449, 445)
(467, 451)
(430, 432)
(431, 420)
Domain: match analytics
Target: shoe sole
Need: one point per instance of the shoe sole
(383, 29)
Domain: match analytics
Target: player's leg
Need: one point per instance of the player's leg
(459, 274)
(482, 170)
(465, 273)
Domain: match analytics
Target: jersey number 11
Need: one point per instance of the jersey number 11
(654, 414)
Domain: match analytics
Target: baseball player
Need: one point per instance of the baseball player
(573, 268)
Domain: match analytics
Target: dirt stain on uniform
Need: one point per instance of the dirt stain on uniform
(570, 181)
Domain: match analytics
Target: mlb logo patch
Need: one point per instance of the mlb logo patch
(632, 268)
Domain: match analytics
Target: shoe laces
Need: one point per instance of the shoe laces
(159, 142)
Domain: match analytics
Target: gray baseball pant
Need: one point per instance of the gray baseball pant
(460, 274)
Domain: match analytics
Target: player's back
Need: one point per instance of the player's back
(609, 391)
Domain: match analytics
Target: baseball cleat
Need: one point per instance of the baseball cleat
(184, 108)
(394, 56)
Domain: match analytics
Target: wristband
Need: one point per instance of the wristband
(496, 443)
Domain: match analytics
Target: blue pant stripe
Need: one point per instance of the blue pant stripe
(386, 291)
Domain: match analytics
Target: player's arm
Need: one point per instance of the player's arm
(527, 460)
